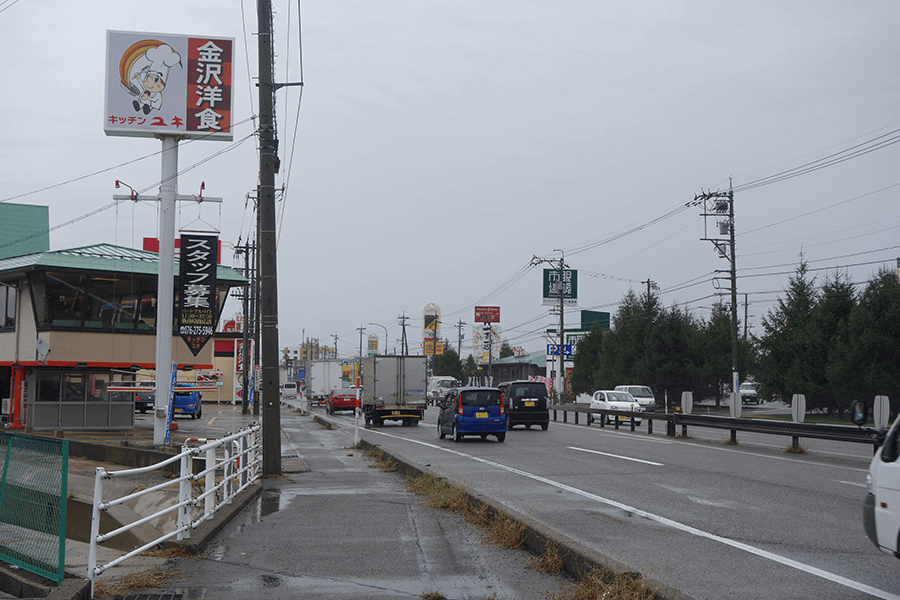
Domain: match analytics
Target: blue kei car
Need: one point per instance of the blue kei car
(187, 402)
(472, 411)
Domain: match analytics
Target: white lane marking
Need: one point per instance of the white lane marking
(646, 462)
(646, 438)
(854, 483)
(788, 562)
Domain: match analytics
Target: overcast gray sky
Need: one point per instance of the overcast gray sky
(440, 146)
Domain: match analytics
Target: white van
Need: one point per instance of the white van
(642, 394)
(289, 389)
(881, 510)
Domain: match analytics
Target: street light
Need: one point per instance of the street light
(385, 335)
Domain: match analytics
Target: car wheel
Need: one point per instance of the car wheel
(544, 426)
(509, 424)
(501, 437)
(456, 434)
(199, 412)
(441, 433)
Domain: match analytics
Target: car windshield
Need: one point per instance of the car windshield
(619, 397)
(529, 390)
(446, 384)
(480, 398)
(640, 392)
(747, 387)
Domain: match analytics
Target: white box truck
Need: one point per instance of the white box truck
(393, 389)
(322, 376)
(881, 508)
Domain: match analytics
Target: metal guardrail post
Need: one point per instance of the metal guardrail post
(632, 422)
(184, 496)
(565, 416)
(734, 436)
(229, 472)
(95, 526)
(209, 504)
(649, 425)
(576, 417)
(245, 457)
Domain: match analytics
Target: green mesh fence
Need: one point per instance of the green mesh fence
(33, 494)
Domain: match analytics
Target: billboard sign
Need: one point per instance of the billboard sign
(487, 314)
(553, 287)
(197, 307)
(163, 84)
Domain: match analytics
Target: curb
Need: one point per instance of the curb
(578, 558)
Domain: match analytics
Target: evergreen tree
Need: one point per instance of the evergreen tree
(829, 317)
(587, 357)
(784, 358)
(506, 350)
(448, 363)
(867, 356)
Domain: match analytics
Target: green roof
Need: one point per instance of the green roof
(535, 358)
(105, 258)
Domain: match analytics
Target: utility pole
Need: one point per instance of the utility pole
(404, 347)
(245, 334)
(361, 330)
(459, 337)
(271, 414)
(746, 307)
(720, 205)
(560, 293)
(650, 284)
(335, 336)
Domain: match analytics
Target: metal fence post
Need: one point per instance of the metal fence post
(209, 504)
(229, 471)
(184, 495)
(95, 525)
(245, 457)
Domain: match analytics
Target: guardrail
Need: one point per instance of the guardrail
(236, 457)
(841, 433)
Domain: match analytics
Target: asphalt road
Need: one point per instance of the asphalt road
(710, 520)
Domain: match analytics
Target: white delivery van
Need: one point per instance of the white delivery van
(881, 510)
(289, 389)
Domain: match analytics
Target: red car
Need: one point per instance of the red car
(341, 400)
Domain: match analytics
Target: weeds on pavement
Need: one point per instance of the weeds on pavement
(604, 584)
(154, 578)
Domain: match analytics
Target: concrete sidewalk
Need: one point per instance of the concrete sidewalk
(333, 527)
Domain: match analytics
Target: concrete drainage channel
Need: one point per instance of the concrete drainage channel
(577, 558)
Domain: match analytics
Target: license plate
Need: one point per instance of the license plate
(179, 410)
(529, 403)
(481, 415)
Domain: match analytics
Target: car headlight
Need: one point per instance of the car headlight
(869, 488)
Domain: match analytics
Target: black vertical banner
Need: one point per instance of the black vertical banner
(197, 307)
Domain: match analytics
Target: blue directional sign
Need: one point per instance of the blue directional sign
(553, 349)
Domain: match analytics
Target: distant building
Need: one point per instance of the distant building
(77, 321)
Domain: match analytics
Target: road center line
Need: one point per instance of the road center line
(788, 562)
(646, 462)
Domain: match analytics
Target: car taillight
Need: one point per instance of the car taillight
(459, 408)
(502, 407)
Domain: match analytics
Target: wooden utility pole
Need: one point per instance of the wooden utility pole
(271, 404)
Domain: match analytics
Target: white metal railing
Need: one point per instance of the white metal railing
(236, 457)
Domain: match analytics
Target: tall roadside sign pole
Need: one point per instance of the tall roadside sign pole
(168, 87)
(271, 403)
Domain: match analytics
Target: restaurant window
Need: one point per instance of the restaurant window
(48, 386)
(8, 296)
(73, 387)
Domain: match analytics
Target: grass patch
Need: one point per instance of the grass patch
(154, 578)
(177, 551)
(731, 442)
(798, 449)
(550, 561)
(605, 584)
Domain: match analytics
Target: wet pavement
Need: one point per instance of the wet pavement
(334, 527)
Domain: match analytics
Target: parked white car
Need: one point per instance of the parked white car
(643, 395)
(613, 400)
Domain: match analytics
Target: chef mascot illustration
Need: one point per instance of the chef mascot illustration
(144, 70)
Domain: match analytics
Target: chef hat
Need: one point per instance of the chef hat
(161, 58)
